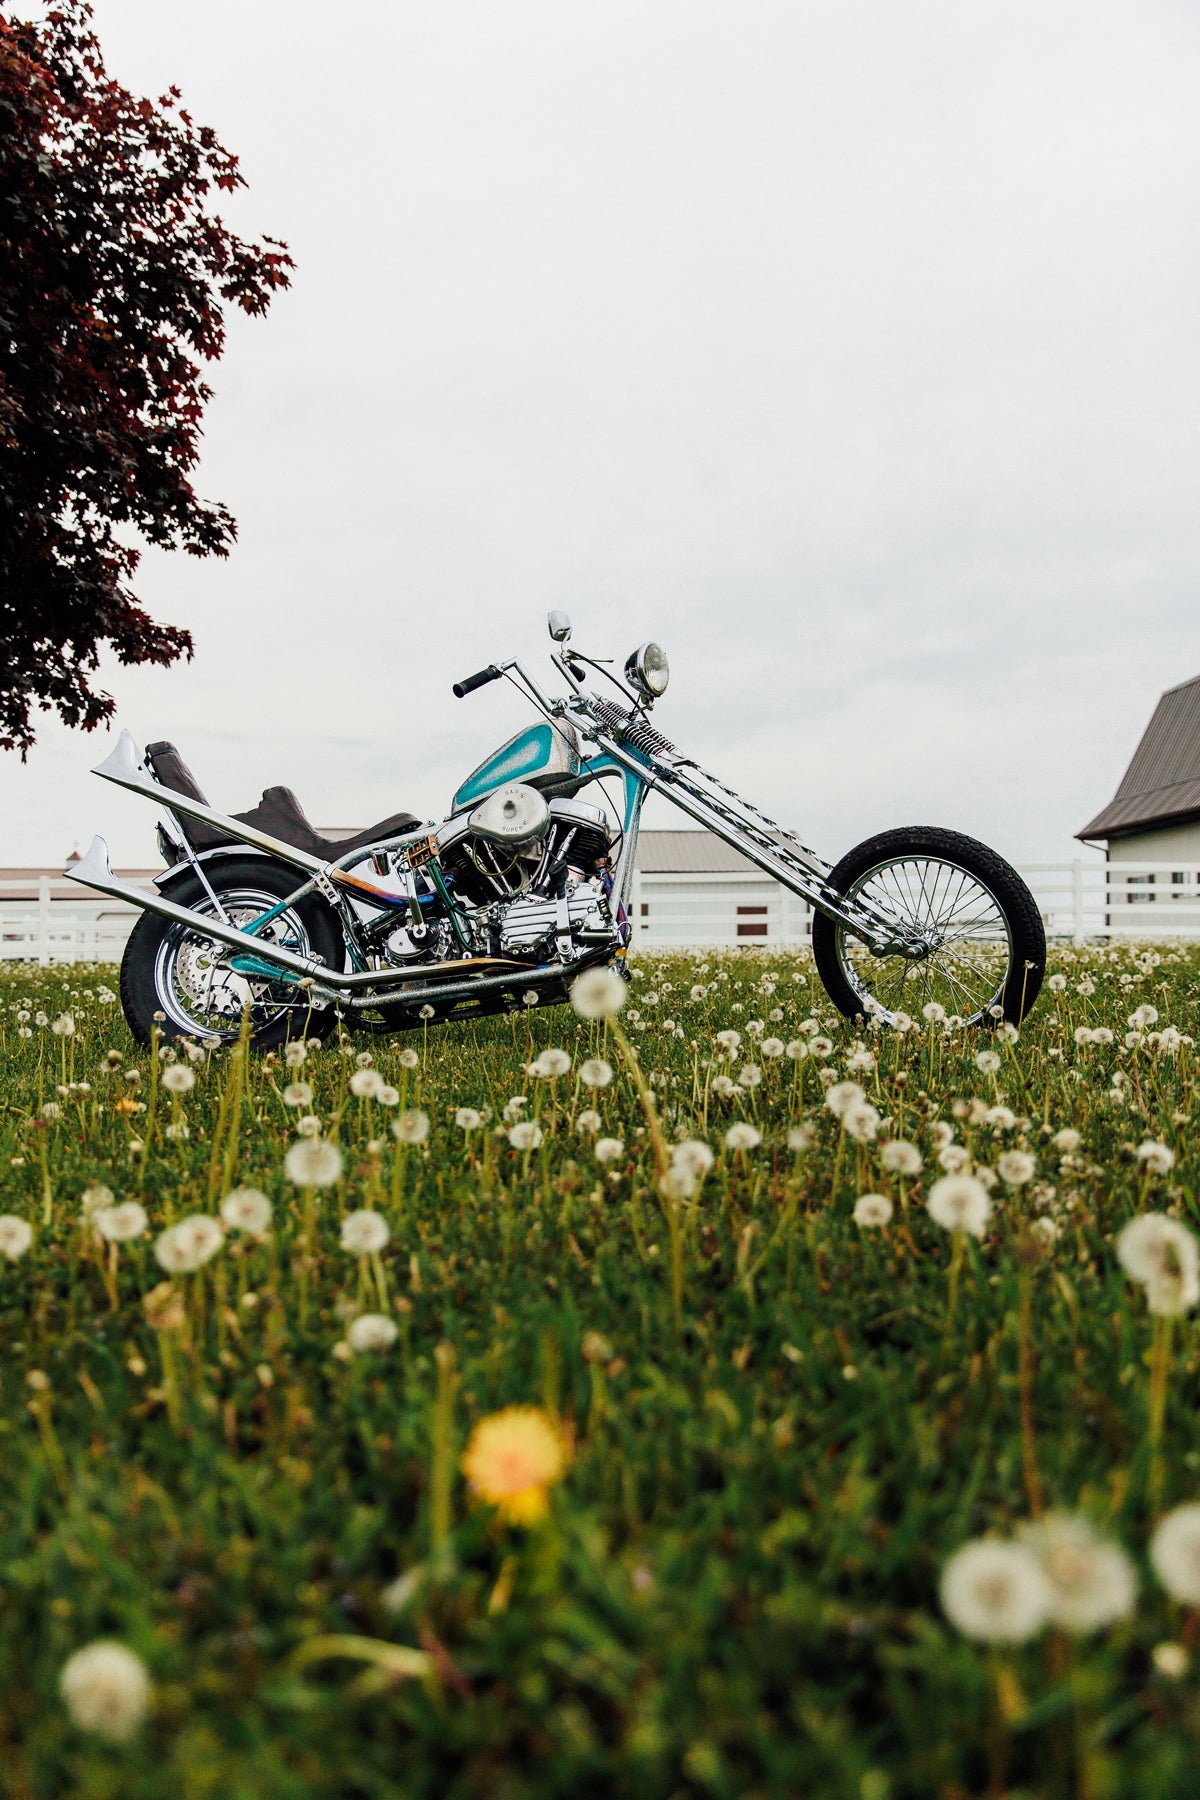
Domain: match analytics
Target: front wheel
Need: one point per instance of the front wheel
(983, 945)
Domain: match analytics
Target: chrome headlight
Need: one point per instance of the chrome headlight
(648, 670)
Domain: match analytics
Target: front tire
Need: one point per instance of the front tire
(990, 954)
(185, 978)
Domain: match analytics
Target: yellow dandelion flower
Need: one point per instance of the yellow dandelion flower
(512, 1459)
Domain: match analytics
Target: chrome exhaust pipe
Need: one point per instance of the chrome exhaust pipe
(95, 871)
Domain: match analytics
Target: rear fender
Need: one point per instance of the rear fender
(219, 853)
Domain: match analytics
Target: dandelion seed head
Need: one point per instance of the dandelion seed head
(1162, 1255)
(1156, 1158)
(16, 1235)
(901, 1157)
(371, 1331)
(183, 1248)
(960, 1203)
(365, 1083)
(996, 1591)
(598, 993)
(1170, 1660)
(106, 1689)
(871, 1210)
(364, 1232)
(313, 1162)
(842, 1096)
(118, 1224)
(1175, 1553)
(694, 1155)
(861, 1121)
(248, 1210)
(1093, 1582)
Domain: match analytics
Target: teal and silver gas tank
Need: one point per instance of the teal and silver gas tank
(545, 756)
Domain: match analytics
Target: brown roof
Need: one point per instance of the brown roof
(1162, 783)
(688, 853)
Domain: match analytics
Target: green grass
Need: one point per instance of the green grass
(735, 1590)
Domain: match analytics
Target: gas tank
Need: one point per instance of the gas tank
(545, 756)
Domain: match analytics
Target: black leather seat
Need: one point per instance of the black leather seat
(278, 812)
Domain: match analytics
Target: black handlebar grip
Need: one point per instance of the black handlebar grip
(462, 688)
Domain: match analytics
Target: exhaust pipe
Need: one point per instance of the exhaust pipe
(95, 871)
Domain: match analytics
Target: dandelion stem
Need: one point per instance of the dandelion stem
(441, 1478)
(1027, 1365)
(670, 1205)
(1160, 1368)
(956, 1257)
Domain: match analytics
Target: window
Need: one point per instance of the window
(750, 909)
(746, 929)
(1135, 884)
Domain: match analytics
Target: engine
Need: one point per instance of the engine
(528, 879)
(574, 843)
(577, 921)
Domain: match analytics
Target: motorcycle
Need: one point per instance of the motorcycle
(525, 885)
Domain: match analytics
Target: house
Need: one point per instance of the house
(1154, 816)
(691, 888)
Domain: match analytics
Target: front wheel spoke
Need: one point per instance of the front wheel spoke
(958, 987)
(976, 996)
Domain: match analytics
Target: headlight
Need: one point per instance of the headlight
(649, 670)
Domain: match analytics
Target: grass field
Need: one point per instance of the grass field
(763, 1429)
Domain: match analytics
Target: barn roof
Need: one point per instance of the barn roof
(689, 853)
(1162, 784)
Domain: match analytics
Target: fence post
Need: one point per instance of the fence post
(43, 920)
(1077, 899)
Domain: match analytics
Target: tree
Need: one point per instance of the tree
(115, 273)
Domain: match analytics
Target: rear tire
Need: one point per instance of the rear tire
(170, 970)
(993, 953)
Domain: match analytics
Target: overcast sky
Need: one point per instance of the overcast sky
(848, 348)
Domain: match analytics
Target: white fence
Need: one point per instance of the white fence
(1078, 901)
(45, 919)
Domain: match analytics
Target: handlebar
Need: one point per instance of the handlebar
(463, 688)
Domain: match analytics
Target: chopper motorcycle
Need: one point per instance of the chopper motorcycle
(524, 885)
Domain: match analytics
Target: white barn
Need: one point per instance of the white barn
(1152, 822)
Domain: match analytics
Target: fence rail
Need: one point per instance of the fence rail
(1078, 900)
(45, 919)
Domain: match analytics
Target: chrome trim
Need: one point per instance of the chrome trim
(95, 871)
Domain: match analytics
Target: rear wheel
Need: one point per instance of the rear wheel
(983, 952)
(187, 978)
